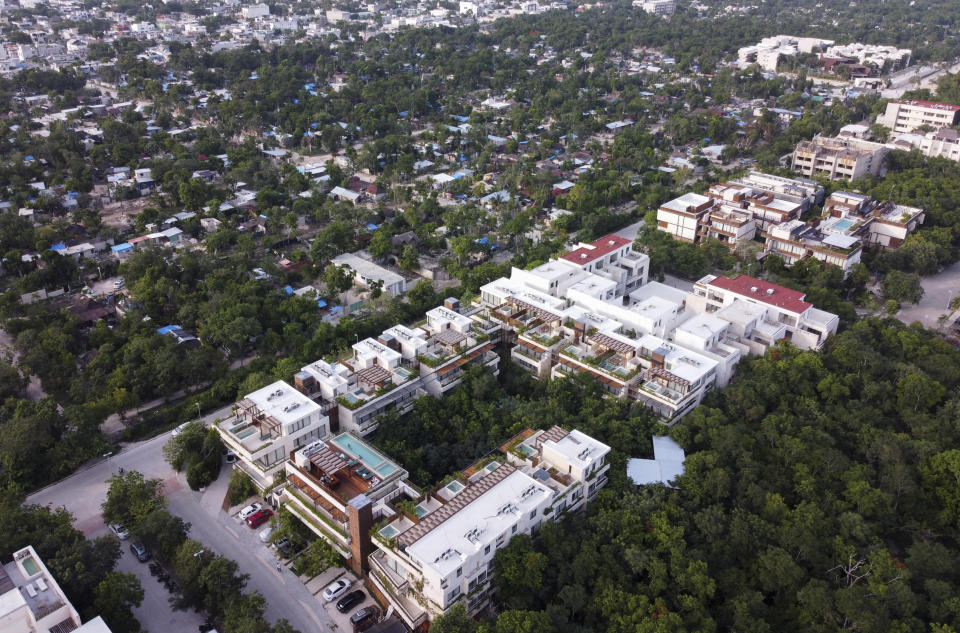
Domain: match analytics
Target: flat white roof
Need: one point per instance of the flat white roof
(684, 201)
(370, 347)
(283, 402)
(331, 375)
(703, 325)
(555, 270)
(368, 269)
(579, 449)
(488, 516)
(657, 289)
(685, 363)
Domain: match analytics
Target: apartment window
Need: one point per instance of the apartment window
(486, 550)
(514, 530)
(453, 594)
(533, 514)
(459, 571)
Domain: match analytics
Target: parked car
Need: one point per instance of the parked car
(259, 518)
(253, 508)
(350, 600)
(140, 551)
(365, 618)
(284, 547)
(266, 533)
(177, 431)
(120, 531)
(231, 457)
(335, 589)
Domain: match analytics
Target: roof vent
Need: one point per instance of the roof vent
(753, 288)
(769, 291)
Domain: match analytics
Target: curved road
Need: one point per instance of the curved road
(84, 491)
(938, 291)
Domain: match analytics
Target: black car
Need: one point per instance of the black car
(140, 551)
(365, 618)
(350, 600)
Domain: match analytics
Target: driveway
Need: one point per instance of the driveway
(938, 291)
(84, 491)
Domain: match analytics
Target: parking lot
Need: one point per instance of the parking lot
(342, 620)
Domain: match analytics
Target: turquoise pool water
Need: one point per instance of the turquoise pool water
(843, 225)
(388, 532)
(352, 399)
(421, 511)
(454, 486)
(371, 459)
(30, 566)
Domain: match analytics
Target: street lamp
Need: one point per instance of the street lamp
(198, 411)
(198, 553)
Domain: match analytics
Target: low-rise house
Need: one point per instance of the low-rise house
(369, 273)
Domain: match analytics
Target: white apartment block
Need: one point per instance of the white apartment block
(877, 55)
(399, 366)
(255, 11)
(657, 7)
(802, 190)
(908, 116)
(369, 273)
(730, 212)
(267, 425)
(767, 52)
(646, 345)
(31, 600)
(761, 313)
(839, 158)
(442, 554)
(849, 221)
(942, 143)
(794, 241)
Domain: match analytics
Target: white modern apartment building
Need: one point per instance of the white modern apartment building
(942, 143)
(850, 220)
(801, 190)
(839, 158)
(908, 116)
(768, 51)
(761, 313)
(441, 554)
(733, 212)
(31, 600)
(646, 345)
(267, 425)
(400, 365)
(657, 7)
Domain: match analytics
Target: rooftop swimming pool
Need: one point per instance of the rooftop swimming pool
(454, 486)
(388, 531)
(30, 566)
(371, 459)
(843, 225)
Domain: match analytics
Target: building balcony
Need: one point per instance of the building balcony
(397, 589)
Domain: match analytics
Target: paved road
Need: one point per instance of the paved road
(84, 491)
(938, 291)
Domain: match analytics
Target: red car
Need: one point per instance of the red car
(259, 518)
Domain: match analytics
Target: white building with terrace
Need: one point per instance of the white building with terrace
(655, 344)
(267, 425)
(440, 551)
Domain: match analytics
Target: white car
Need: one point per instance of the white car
(335, 589)
(177, 431)
(250, 510)
(120, 531)
(266, 533)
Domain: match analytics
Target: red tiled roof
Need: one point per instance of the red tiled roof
(785, 298)
(931, 104)
(603, 246)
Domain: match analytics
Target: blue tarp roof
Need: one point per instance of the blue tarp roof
(482, 240)
(321, 303)
(122, 248)
(372, 227)
(166, 329)
(59, 246)
(288, 290)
